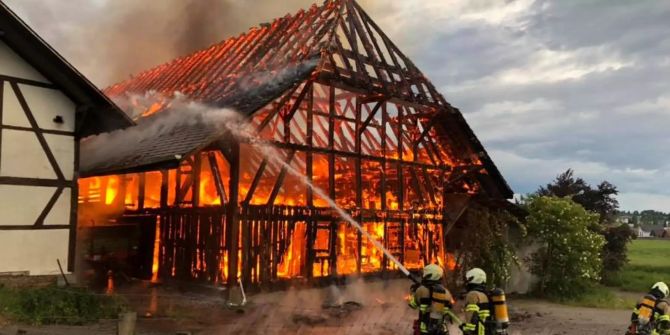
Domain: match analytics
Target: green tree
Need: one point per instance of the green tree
(616, 248)
(600, 200)
(568, 259)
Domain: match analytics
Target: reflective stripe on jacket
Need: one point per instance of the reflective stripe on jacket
(476, 312)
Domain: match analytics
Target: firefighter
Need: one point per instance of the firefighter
(433, 301)
(652, 314)
(477, 307)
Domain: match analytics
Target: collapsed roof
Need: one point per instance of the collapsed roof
(337, 43)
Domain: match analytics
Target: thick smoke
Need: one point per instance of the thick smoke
(180, 112)
(109, 40)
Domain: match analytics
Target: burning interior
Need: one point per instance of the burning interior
(342, 105)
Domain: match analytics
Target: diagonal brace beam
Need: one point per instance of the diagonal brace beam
(280, 179)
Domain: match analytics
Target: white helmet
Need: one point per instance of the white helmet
(432, 272)
(475, 276)
(662, 287)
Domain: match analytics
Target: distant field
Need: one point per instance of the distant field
(649, 263)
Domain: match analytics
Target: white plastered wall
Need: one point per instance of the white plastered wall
(21, 205)
(22, 156)
(35, 251)
(13, 65)
(12, 113)
(46, 104)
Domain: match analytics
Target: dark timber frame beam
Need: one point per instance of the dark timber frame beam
(232, 222)
(280, 179)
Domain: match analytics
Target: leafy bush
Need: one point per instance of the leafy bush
(568, 260)
(52, 305)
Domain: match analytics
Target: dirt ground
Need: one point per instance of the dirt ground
(359, 308)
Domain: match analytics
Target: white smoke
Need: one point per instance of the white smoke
(179, 112)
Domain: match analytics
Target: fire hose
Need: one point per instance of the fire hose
(244, 297)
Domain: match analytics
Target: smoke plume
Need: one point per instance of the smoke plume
(180, 112)
(109, 40)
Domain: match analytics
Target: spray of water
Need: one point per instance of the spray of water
(272, 154)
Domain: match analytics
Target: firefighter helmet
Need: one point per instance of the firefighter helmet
(432, 272)
(661, 287)
(475, 276)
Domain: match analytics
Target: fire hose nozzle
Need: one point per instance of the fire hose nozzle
(413, 278)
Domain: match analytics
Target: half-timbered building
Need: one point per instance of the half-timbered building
(46, 106)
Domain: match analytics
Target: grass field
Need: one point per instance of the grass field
(649, 263)
(601, 297)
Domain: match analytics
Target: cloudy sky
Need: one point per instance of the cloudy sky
(547, 85)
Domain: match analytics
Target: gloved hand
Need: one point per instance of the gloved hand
(461, 328)
(414, 287)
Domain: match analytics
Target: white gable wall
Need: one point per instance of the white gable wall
(46, 104)
(12, 113)
(30, 187)
(14, 66)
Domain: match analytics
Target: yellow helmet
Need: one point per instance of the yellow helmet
(663, 288)
(475, 276)
(432, 272)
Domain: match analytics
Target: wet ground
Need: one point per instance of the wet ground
(360, 308)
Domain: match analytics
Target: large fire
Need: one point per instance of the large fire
(379, 160)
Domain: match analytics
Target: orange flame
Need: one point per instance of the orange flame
(156, 256)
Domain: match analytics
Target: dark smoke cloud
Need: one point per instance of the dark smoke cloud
(109, 40)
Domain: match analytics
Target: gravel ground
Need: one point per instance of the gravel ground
(360, 308)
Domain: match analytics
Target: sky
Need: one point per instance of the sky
(546, 85)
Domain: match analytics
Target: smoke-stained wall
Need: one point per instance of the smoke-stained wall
(109, 40)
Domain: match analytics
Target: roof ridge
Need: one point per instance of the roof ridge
(259, 28)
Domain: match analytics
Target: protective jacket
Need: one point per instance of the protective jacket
(434, 303)
(660, 320)
(477, 311)
(663, 317)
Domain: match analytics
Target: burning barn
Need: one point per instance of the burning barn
(46, 106)
(340, 104)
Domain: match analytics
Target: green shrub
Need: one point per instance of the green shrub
(52, 305)
(568, 261)
(616, 248)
